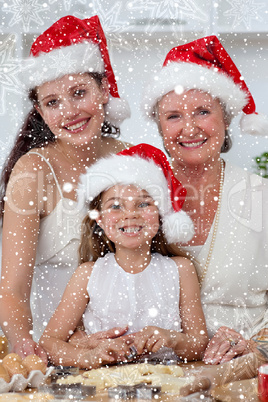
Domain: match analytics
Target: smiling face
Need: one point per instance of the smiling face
(192, 125)
(129, 217)
(72, 106)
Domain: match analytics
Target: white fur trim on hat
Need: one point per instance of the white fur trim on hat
(143, 173)
(76, 58)
(184, 76)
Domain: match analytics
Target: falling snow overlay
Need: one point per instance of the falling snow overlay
(244, 11)
(110, 21)
(24, 12)
(9, 69)
(169, 12)
(67, 3)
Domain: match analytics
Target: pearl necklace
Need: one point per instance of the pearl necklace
(217, 216)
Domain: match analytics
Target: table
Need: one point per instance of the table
(238, 391)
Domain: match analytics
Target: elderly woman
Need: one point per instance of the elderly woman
(193, 100)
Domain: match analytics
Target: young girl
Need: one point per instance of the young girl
(134, 210)
(75, 108)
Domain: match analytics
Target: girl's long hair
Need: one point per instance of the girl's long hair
(35, 133)
(95, 244)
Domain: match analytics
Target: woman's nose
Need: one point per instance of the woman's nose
(189, 127)
(69, 108)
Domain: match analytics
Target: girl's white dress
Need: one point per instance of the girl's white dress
(118, 298)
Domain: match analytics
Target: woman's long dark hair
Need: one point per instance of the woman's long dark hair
(35, 133)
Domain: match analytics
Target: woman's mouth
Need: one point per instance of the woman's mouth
(193, 144)
(79, 126)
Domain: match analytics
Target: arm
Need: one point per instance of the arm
(227, 344)
(191, 342)
(95, 350)
(207, 378)
(20, 235)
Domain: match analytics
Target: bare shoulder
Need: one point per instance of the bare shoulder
(185, 265)
(113, 146)
(84, 270)
(32, 161)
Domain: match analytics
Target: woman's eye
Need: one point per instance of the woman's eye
(204, 112)
(144, 204)
(79, 93)
(173, 116)
(52, 103)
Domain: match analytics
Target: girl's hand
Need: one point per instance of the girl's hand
(29, 347)
(151, 339)
(81, 339)
(225, 345)
(106, 352)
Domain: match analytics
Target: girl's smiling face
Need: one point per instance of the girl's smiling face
(192, 125)
(129, 217)
(73, 106)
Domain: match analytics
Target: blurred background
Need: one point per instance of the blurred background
(139, 34)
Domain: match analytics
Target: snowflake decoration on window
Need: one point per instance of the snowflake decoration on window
(9, 70)
(25, 11)
(110, 22)
(244, 11)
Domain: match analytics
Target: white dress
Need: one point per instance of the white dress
(56, 257)
(235, 290)
(118, 298)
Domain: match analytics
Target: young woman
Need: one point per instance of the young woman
(136, 279)
(74, 121)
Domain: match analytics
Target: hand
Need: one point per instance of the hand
(151, 339)
(106, 352)
(199, 384)
(81, 339)
(29, 347)
(225, 345)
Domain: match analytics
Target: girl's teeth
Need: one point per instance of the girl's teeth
(131, 230)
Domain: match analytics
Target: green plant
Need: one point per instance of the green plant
(261, 166)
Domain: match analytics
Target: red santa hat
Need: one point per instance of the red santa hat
(71, 46)
(204, 64)
(146, 167)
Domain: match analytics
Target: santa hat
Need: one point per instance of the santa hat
(204, 64)
(146, 167)
(71, 46)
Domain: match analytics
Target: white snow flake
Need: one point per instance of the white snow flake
(244, 11)
(9, 69)
(24, 11)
